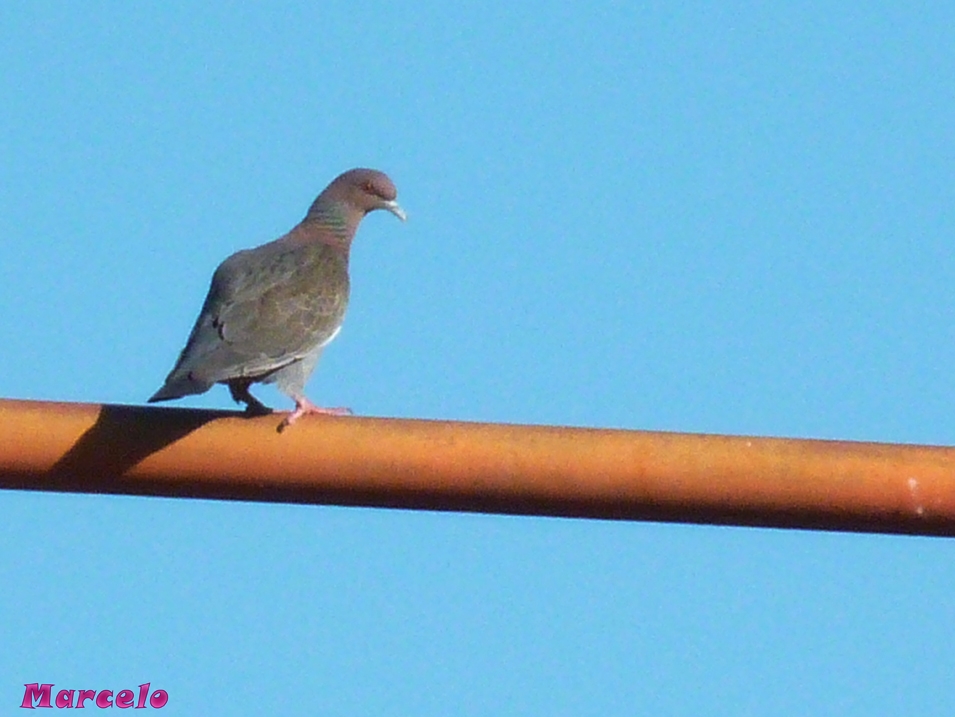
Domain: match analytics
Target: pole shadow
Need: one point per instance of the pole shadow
(122, 437)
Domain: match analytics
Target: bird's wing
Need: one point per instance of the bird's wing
(266, 307)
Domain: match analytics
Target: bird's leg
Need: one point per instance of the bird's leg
(304, 407)
(241, 394)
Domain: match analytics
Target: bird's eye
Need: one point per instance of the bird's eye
(368, 187)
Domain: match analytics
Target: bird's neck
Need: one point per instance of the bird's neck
(336, 223)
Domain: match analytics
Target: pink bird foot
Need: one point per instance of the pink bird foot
(304, 407)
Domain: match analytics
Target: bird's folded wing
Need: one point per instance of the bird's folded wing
(266, 308)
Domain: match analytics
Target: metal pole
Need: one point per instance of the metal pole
(442, 465)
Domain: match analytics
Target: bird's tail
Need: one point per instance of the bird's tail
(179, 386)
(164, 394)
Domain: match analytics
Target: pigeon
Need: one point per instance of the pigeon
(270, 311)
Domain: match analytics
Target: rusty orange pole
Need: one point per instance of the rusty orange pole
(440, 465)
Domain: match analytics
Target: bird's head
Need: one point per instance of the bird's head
(366, 190)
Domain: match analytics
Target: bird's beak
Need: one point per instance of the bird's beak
(393, 207)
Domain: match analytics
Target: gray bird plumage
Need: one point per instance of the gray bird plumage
(271, 310)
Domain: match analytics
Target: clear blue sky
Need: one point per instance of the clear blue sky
(723, 217)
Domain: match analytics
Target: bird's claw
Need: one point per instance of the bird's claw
(257, 409)
(304, 407)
